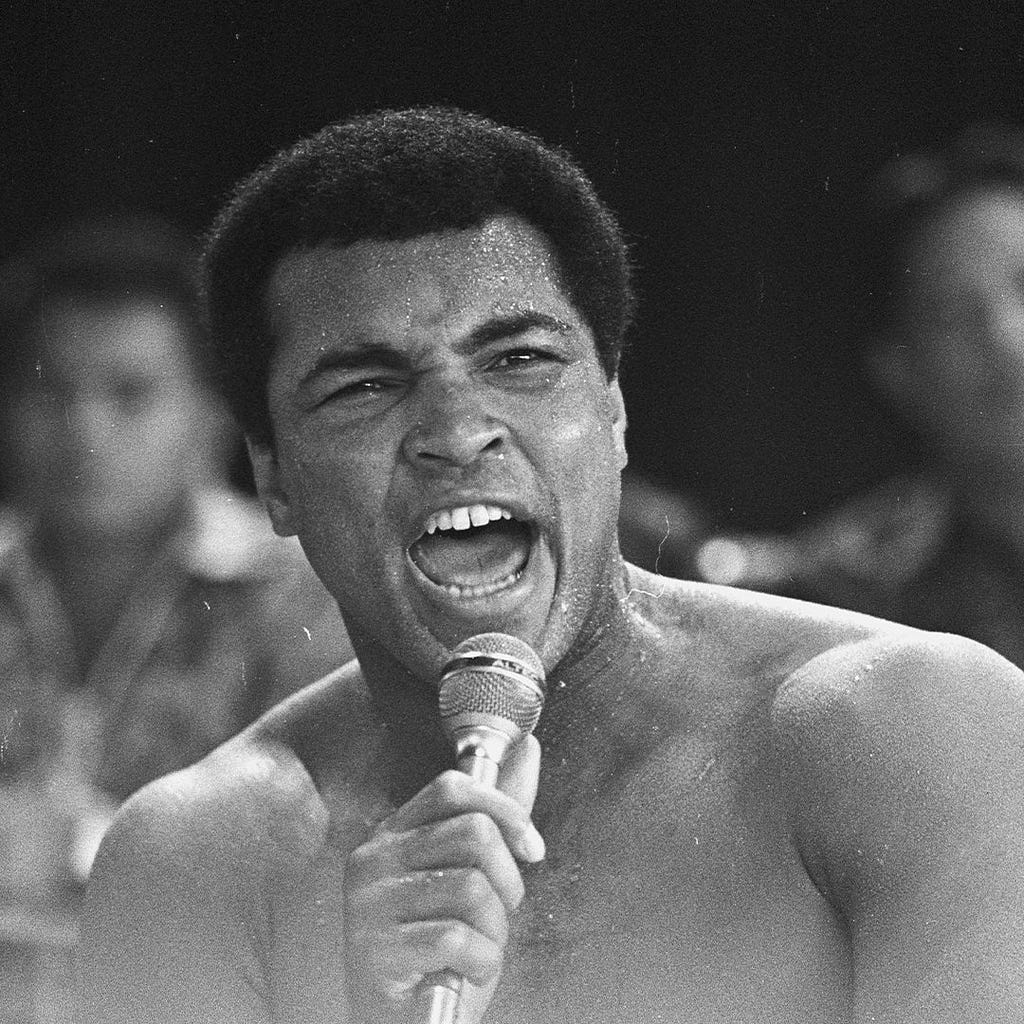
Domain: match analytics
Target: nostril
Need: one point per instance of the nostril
(454, 442)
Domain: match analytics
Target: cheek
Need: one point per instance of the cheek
(586, 464)
(585, 433)
(337, 492)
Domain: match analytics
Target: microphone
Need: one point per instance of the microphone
(491, 694)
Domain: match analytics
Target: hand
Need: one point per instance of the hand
(435, 884)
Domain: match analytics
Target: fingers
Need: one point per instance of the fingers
(401, 928)
(413, 951)
(440, 896)
(434, 886)
(468, 841)
(508, 805)
(520, 772)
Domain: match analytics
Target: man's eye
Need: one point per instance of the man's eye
(363, 388)
(523, 357)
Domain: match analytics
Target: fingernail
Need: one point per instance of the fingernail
(532, 846)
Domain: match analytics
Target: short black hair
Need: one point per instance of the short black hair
(910, 190)
(113, 256)
(393, 175)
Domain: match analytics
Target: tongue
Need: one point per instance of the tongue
(472, 557)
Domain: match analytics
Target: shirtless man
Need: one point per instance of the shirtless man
(752, 809)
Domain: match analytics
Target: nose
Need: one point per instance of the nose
(453, 426)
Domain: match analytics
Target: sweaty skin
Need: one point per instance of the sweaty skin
(749, 808)
(753, 809)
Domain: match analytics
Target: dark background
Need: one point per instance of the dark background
(732, 143)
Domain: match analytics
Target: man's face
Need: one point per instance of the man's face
(105, 423)
(961, 372)
(447, 446)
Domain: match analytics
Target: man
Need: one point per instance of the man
(941, 545)
(146, 612)
(740, 808)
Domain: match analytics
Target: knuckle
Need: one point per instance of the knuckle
(480, 829)
(455, 939)
(476, 903)
(381, 963)
(359, 861)
(450, 785)
(478, 959)
(473, 889)
(367, 859)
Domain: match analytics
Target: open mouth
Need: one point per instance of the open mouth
(473, 550)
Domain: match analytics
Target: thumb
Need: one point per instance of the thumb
(520, 772)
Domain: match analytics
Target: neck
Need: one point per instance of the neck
(595, 658)
(415, 748)
(596, 712)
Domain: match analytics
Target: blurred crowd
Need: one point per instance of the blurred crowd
(940, 545)
(148, 612)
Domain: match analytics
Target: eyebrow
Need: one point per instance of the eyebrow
(498, 327)
(495, 328)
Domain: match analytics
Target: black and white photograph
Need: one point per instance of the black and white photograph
(511, 513)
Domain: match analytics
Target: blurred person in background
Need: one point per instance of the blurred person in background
(147, 611)
(940, 546)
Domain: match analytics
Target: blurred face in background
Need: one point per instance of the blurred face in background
(106, 425)
(955, 361)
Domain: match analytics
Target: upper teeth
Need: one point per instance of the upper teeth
(464, 517)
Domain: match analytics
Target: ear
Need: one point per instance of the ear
(618, 409)
(270, 487)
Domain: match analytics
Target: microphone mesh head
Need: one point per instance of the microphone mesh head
(494, 675)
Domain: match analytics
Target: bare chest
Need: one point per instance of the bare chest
(672, 893)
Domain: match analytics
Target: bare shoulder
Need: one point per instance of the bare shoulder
(185, 878)
(898, 692)
(762, 639)
(901, 755)
(178, 888)
(256, 797)
(250, 795)
(898, 755)
(218, 827)
(860, 711)
(894, 761)
(849, 690)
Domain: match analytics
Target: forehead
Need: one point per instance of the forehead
(977, 238)
(392, 287)
(85, 336)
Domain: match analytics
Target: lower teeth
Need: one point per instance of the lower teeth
(482, 589)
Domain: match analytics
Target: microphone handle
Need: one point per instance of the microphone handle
(439, 993)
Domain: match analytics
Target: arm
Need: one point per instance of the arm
(904, 760)
(177, 923)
